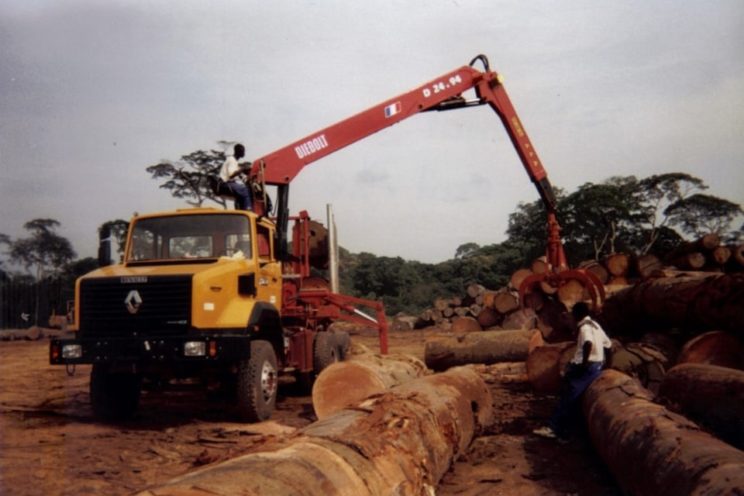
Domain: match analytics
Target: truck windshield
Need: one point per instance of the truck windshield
(190, 237)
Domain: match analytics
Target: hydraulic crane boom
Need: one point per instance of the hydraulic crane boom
(443, 93)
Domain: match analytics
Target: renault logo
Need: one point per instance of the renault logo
(133, 301)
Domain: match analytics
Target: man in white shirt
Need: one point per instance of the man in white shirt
(584, 367)
(230, 174)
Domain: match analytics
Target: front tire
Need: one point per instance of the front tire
(114, 395)
(258, 382)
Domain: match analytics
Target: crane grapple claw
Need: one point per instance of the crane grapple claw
(588, 281)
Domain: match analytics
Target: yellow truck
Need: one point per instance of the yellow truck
(201, 293)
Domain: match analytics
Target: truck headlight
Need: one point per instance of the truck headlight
(72, 351)
(194, 348)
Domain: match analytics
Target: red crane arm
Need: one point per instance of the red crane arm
(443, 93)
(282, 165)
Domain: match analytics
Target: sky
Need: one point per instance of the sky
(92, 92)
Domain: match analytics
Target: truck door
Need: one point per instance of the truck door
(269, 273)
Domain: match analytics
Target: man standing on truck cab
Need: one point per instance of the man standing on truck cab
(230, 174)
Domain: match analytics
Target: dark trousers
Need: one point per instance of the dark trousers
(242, 195)
(575, 382)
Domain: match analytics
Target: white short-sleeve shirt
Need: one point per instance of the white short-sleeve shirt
(589, 330)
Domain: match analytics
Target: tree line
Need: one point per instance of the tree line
(620, 214)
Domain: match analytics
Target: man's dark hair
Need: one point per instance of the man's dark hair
(239, 151)
(580, 310)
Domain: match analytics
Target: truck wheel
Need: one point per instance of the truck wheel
(325, 350)
(343, 342)
(114, 395)
(258, 381)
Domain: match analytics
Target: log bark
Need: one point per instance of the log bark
(543, 367)
(485, 347)
(653, 451)
(714, 348)
(647, 265)
(400, 442)
(707, 302)
(522, 319)
(345, 383)
(710, 395)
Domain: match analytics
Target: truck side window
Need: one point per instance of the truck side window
(264, 242)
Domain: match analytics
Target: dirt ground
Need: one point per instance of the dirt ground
(51, 444)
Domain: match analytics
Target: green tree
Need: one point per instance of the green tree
(700, 214)
(43, 253)
(659, 191)
(188, 178)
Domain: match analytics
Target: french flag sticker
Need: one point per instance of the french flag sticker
(391, 110)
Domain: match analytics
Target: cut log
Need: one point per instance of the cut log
(571, 292)
(710, 395)
(647, 265)
(689, 261)
(346, 383)
(399, 442)
(522, 319)
(714, 348)
(617, 264)
(554, 322)
(505, 301)
(720, 255)
(653, 451)
(543, 367)
(518, 277)
(475, 290)
(699, 302)
(464, 325)
(540, 265)
(488, 317)
(618, 281)
(536, 340)
(485, 347)
(597, 269)
(645, 363)
(737, 254)
(441, 304)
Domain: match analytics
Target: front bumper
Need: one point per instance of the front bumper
(150, 350)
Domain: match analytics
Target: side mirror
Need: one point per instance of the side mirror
(104, 247)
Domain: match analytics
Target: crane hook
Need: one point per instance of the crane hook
(484, 61)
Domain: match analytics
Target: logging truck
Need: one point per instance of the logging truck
(217, 294)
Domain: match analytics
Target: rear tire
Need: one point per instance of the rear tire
(325, 351)
(114, 395)
(343, 343)
(257, 383)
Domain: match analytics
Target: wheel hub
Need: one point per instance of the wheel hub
(269, 381)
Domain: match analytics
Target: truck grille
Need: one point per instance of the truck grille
(125, 306)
